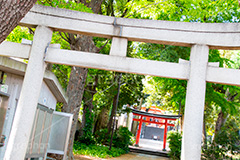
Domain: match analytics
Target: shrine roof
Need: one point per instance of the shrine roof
(155, 115)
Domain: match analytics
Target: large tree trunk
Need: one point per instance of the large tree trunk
(75, 92)
(101, 120)
(76, 84)
(90, 90)
(11, 12)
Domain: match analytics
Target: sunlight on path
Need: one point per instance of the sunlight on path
(129, 156)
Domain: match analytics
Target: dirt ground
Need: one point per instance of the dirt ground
(129, 156)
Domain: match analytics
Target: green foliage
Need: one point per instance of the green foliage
(175, 141)
(132, 140)
(131, 90)
(102, 136)
(226, 143)
(66, 5)
(18, 34)
(122, 138)
(99, 151)
(115, 8)
(87, 137)
(188, 11)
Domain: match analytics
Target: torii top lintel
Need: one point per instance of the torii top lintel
(214, 35)
(147, 114)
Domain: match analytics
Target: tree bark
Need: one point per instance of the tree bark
(76, 83)
(114, 108)
(88, 101)
(110, 122)
(11, 12)
(75, 92)
(222, 118)
(204, 134)
(135, 123)
(101, 120)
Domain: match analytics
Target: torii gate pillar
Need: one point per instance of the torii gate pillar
(27, 103)
(194, 107)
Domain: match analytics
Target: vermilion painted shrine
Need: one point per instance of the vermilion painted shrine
(155, 120)
(200, 37)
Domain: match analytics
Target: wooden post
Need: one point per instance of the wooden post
(165, 134)
(139, 131)
(27, 104)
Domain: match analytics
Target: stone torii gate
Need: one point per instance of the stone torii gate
(200, 37)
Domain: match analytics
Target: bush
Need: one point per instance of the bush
(122, 138)
(102, 136)
(87, 137)
(132, 140)
(175, 141)
(225, 145)
(99, 151)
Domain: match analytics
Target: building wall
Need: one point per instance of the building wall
(46, 97)
(14, 83)
(149, 132)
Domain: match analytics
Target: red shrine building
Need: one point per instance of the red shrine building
(153, 124)
(154, 110)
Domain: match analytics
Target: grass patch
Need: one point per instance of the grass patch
(95, 150)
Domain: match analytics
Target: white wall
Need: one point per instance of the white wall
(14, 83)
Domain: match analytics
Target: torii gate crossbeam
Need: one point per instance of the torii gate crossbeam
(201, 37)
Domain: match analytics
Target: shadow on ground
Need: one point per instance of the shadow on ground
(129, 156)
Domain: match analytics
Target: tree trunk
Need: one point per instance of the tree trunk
(182, 122)
(110, 122)
(115, 105)
(75, 92)
(88, 101)
(135, 123)
(76, 83)
(101, 120)
(11, 12)
(204, 134)
(222, 118)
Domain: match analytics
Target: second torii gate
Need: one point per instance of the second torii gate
(141, 119)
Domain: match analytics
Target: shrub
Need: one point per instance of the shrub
(87, 137)
(225, 145)
(175, 141)
(132, 140)
(102, 136)
(122, 138)
(94, 150)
